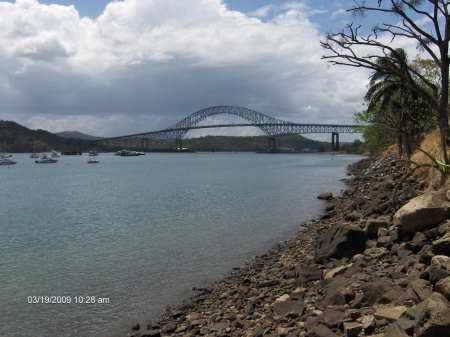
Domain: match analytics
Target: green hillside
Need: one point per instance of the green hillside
(21, 139)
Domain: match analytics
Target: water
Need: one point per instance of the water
(132, 234)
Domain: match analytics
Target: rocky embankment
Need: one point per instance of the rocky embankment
(363, 269)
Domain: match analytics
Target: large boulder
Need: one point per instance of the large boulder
(433, 317)
(423, 212)
(343, 240)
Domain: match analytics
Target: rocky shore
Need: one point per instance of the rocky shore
(375, 264)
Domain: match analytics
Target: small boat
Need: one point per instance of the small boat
(93, 153)
(127, 153)
(54, 154)
(93, 161)
(45, 160)
(34, 154)
(5, 161)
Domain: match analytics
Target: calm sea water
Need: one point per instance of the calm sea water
(123, 238)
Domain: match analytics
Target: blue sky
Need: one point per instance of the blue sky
(131, 66)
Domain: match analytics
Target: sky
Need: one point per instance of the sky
(113, 68)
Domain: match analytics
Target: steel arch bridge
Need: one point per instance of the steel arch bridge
(269, 125)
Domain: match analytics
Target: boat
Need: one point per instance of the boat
(45, 160)
(54, 154)
(5, 161)
(93, 153)
(127, 153)
(4, 154)
(93, 161)
(34, 154)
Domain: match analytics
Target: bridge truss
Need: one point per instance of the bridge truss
(269, 125)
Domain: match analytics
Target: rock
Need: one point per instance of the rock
(352, 329)
(269, 283)
(422, 288)
(441, 261)
(169, 328)
(333, 298)
(391, 314)
(321, 331)
(325, 196)
(436, 274)
(283, 308)
(341, 241)
(443, 287)
(150, 333)
(433, 317)
(442, 246)
(423, 212)
(380, 292)
(336, 271)
(368, 323)
(305, 273)
(394, 330)
(373, 225)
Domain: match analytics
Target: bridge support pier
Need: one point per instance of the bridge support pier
(335, 142)
(178, 144)
(145, 141)
(125, 144)
(272, 144)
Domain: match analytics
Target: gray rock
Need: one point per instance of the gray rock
(423, 212)
(325, 196)
(341, 241)
(443, 287)
(394, 330)
(381, 292)
(283, 308)
(442, 246)
(373, 225)
(332, 298)
(433, 317)
(321, 331)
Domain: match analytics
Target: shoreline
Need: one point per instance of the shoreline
(305, 288)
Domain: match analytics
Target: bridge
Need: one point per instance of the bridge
(270, 126)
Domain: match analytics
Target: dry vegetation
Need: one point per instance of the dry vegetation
(431, 143)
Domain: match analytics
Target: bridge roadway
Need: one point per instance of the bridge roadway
(269, 125)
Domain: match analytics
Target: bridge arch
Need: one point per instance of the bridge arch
(263, 122)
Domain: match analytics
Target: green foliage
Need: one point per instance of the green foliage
(357, 147)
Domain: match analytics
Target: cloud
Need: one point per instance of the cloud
(143, 65)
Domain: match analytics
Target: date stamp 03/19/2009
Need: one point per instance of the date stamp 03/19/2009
(67, 299)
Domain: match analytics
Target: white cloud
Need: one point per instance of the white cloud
(143, 65)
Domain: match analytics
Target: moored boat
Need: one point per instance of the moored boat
(45, 160)
(54, 154)
(93, 161)
(5, 161)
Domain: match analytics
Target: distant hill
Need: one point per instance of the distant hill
(21, 139)
(76, 134)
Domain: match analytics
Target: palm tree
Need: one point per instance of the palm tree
(393, 102)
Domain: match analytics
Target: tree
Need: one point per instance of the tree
(342, 48)
(396, 106)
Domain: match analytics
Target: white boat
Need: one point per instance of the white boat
(5, 155)
(5, 161)
(54, 154)
(34, 154)
(93, 161)
(93, 153)
(45, 160)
